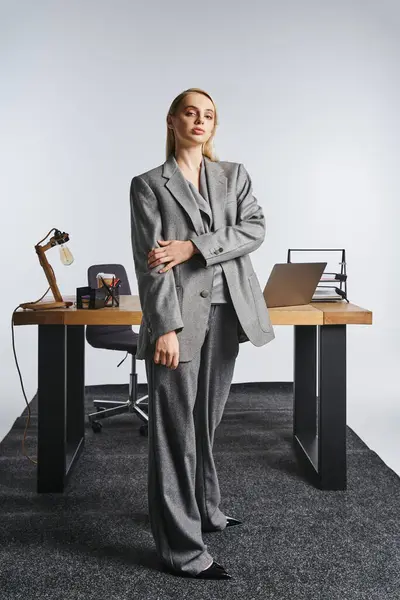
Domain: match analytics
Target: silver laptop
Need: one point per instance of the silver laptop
(293, 284)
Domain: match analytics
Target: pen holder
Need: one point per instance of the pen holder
(111, 286)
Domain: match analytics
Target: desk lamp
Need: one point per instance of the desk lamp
(59, 238)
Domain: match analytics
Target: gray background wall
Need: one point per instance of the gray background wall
(308, 96)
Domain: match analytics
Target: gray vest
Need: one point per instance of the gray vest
(220, 291)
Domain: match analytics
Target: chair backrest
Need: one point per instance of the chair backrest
(93, 332)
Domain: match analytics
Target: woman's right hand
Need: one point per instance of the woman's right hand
(167, 350)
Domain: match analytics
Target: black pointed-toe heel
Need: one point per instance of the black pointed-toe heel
(231, 521)
(214, 571)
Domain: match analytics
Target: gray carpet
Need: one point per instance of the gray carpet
(296, 542)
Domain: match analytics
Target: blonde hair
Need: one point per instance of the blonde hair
(208, 149)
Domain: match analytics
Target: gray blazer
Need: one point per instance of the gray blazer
(162, 207)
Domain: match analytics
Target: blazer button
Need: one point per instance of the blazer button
(204, 293)
(220, 249)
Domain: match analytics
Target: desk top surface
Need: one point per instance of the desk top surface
(129, 313)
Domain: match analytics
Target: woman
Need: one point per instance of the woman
(194, 222)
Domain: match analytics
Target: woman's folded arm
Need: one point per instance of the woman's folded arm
(232, 241)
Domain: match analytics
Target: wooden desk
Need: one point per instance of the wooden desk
(319, 420)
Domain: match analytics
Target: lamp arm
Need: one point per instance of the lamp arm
(58, 238)
(49, 273)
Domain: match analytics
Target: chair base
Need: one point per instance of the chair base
(116, 407)
(109, 408)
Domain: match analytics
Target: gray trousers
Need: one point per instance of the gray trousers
(185, 408)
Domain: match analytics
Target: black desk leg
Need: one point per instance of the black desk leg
(75, 394)
(60, 404)
(319, 431)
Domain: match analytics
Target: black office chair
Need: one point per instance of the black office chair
(116, 337)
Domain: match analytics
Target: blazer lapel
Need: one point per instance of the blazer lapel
(216, 184)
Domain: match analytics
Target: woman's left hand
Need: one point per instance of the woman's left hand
(172, 252)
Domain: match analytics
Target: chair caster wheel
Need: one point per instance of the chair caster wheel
(144, 430)
(96, 426)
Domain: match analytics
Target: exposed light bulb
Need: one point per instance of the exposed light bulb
(66, 255)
